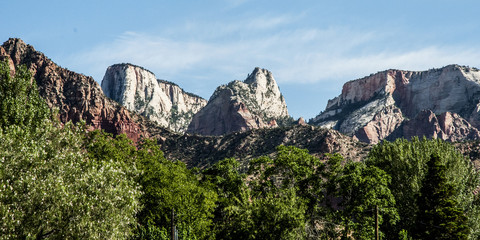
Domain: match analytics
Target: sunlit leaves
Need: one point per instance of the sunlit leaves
(61, 194)
(49, 187)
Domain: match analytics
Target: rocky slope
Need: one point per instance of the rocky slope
(140, 91)
(239, 106)
(441, 103)
(77, 97)
(201, 151)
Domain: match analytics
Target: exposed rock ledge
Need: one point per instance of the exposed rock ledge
(379, 106)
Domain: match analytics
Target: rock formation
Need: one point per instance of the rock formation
(201, 151)
(238, 106)
(140, 91)
(5, 57)
(379, 106)
(447, 126)
(389, 106)
(77, 97)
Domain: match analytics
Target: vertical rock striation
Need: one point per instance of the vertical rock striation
(140, 91)
(76, 96)
(379, 106)
(238, 106)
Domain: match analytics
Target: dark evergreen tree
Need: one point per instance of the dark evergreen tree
(439, 216)
(406, 162)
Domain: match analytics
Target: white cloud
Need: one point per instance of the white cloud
(303, 55)
(324, 68)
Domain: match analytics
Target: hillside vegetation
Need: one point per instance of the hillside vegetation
(60, 181)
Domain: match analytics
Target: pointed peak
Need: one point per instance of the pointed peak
(16, 44)
(14, 41)
(259, 75)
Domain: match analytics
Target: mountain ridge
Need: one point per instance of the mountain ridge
(161, 101)
(253, 103)
(400, 96)
(78, 97)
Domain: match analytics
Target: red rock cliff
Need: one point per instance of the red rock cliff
(75, 95)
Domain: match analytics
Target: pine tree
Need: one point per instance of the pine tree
(439, 216)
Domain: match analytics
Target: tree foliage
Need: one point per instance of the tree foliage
(47, 193)
(363, 189)
(49, 187)
(439, 215)
(170, 185)
(406, 163)
(20, 102)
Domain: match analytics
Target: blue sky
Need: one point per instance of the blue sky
(312, 47)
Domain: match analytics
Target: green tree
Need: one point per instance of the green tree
(20, 103)
(49, 187)
(271, 215)
(170, 185)
(329, 217)
(165, 185)
(439, 216)
(231, 188)
(291, 168)
(278, 215)
(406, 163)
(363, 189)
(297, 176)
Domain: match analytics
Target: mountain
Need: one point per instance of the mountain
(201, 151)
(161, 101)
(239, 106)
(76, 96)
(438, 103)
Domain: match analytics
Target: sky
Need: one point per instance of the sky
(312, 47)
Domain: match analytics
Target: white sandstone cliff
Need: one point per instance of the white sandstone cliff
(238, 106)
(140, 91)
(376, 107)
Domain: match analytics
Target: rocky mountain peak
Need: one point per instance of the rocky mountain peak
(161, 101)
(376, 107)
(253, 103)
(262, 77)
(18, 47)
(76, 96)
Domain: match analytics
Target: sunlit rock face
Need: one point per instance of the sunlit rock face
(161, 101)
(386, 105)
(75, 97)
(253, 103)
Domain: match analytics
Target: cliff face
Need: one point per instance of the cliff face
(391, 104)
(238, 106)
(77, 97)
(140, 91)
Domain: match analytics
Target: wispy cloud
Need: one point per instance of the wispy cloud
(301, 55)
(344, 67)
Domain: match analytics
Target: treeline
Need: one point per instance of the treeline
(63, 182)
